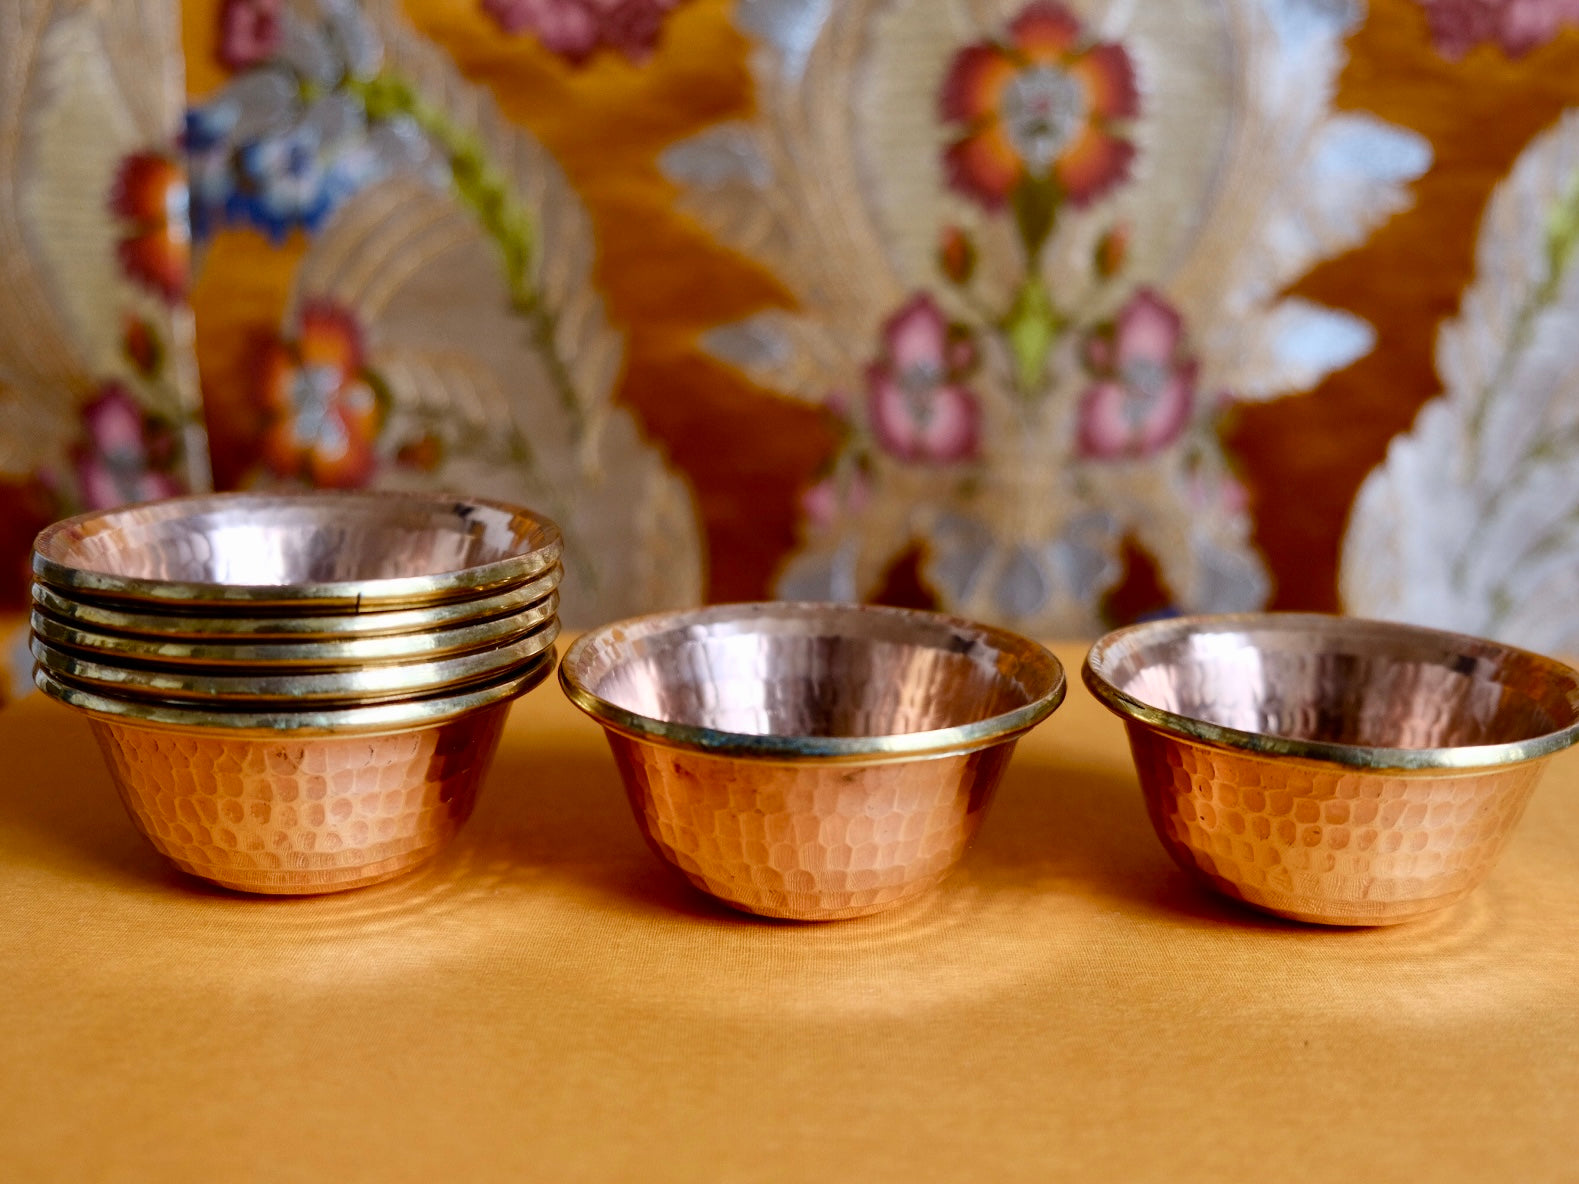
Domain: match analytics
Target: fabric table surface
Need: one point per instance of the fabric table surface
(546, 1001)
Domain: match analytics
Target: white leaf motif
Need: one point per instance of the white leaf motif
(1472, 522)
(1293, 347)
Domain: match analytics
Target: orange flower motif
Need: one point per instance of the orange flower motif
(1040, 106)
(956, 255)
(141, 346)
(322, 413)
(150, 192)
(1112, 250)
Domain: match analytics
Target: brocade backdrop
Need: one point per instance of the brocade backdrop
(1055, 314)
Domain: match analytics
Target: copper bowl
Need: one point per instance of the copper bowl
(1328, 769)
(810, 761)
(276, 657)
(300, 802)
(294, 553)
(160, 623)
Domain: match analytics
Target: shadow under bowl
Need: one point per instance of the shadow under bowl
(321, 552)
(810, 761)
(278, 810)
(1330, 769)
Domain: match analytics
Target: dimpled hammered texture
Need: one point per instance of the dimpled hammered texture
(1323, 842)
(808, 841)
(277, 814)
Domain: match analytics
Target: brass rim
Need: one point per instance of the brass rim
(1041, 668)
(393, 681)
(271, 656)
(302, 627)
(52, 558)
(382, 717)
(1350, 755)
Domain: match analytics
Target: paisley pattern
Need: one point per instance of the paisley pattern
(1030, 337)
(98, 398)
(442, 329)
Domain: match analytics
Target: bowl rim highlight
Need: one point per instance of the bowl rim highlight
(52, 566)
(1356, 756)
(238, 656)
(305, 626)
(262, 686)
(958, 738)
(394, 716)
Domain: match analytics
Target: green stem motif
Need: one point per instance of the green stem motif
(486, 192)
(1562, 237)
(1032, 327)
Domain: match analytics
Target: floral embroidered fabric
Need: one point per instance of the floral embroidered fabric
(1052, 312)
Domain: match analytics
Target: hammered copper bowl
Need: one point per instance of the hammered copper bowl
(810, 761)
(1328, 769)
(263, 553)
(300, 802)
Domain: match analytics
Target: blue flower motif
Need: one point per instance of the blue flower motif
(284, 182)
(205, 139)
(286, 142)
(294, 174)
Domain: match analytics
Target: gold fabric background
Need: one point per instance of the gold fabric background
(748, 454)
(721, 468)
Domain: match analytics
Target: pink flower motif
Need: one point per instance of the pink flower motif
(842, 493)
(632, 26)
(1217, 492)
(120, 458)
(1518, 26)
(918, 407)
(249, 32)
(1145, 382)
(576, 29)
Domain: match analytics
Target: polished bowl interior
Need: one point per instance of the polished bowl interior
(278, 656)
(1367, 693)
(156, 621)
(825, 680)
(1332, 769)
(339, 551)
(810, 761)
(361, 684)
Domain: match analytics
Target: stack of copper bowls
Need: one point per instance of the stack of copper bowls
(297, 693)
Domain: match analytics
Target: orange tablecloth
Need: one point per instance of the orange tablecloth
(548, 1002)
